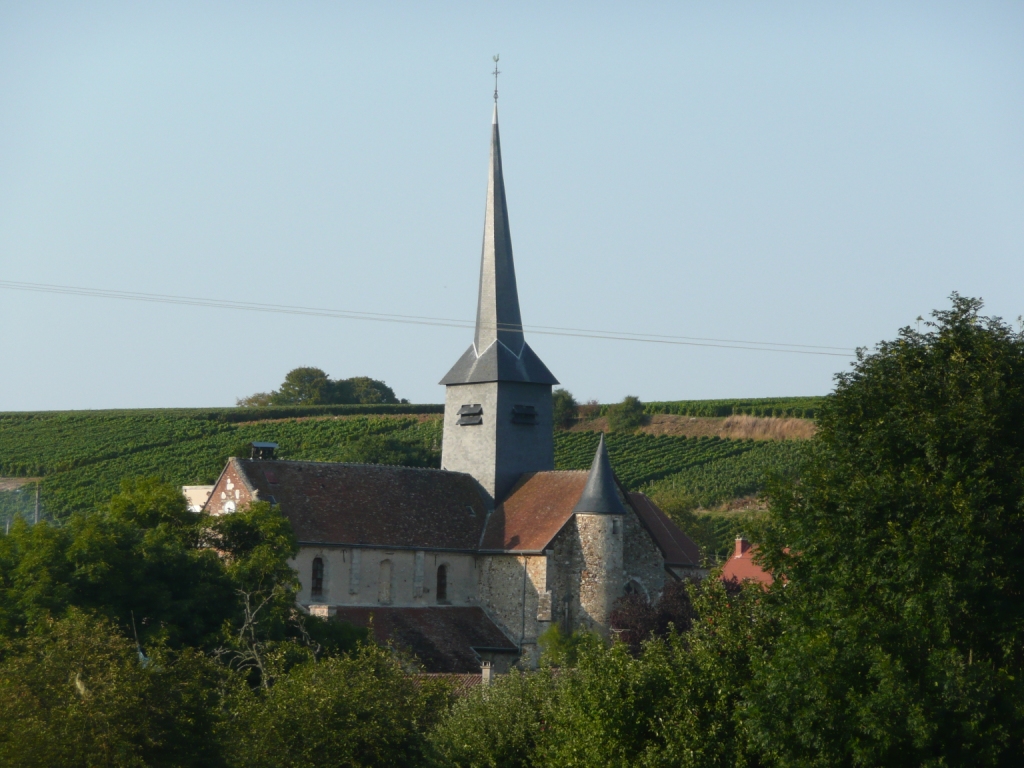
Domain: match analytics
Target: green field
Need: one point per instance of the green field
(82, 456)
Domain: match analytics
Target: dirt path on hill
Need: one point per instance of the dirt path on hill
(14, 483)
(735, 427)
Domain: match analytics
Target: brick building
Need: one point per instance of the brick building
(470, 563)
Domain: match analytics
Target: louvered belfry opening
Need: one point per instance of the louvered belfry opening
(471, 415)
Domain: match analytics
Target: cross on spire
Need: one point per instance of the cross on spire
(496, 73)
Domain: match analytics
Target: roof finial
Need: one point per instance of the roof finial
(496, 73)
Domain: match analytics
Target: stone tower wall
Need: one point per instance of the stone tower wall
(599, 555)
(498, 451)
(471, 449)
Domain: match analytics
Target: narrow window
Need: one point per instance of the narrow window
(384, 584)
(615, 525)
(317, 588)
(442, 584)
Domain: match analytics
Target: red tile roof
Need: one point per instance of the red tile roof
(741, 566)
(371, 504)
(676, 547)
(534, 511)
(442, 638)
(462, 683)
(542, 502)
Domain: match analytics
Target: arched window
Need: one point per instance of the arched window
(384, 585)
(634, 587)
(317, 584)
(442, 583)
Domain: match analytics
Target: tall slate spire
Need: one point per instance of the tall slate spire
(497, 313)
(499, 351)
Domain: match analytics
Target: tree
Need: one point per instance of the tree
(74, 693)
(900, 608)
(497, 726)
(303, 386)
(363, 389)
(627, 415)
(565, 408)
(358, 710)
(138, 561)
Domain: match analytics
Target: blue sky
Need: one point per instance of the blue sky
(809, 173)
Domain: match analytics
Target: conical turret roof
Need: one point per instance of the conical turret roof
(499, 351)
(600, 495)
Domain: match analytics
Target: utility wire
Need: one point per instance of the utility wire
(251, 306)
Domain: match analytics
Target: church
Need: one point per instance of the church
(469, 564)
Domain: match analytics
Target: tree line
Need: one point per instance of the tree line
(312, 386)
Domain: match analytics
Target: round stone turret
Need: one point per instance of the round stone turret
(599, 522)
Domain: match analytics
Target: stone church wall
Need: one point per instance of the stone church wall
(642, 561)
(514, 591)
(353, 576)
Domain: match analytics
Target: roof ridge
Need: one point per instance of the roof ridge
(352, 464)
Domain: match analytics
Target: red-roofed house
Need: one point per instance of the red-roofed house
(741, 566)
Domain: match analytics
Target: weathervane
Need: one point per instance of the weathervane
(496, 73)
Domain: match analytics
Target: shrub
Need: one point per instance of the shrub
(565, 408)
(357, 710)
(627, 415)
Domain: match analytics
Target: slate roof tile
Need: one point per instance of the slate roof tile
(369, 504)
(442, 638)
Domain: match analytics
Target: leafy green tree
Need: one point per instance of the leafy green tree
(363, 389)
(170, 577)
(707, 671)
(74, 692)
(606, 708)
(303, 386)
(901, 610)
(565, 408)
(357, 710)
(627, 415)
(498, 726)
(138, 562)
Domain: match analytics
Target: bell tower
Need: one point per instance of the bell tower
(497, 413)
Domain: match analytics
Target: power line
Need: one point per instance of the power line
(252, 306)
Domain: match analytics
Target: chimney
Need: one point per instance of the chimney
(486, 673)
(263, 451)
(742, 545)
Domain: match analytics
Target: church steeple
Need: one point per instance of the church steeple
(498, 421)
(497, 313)
(499, 351)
